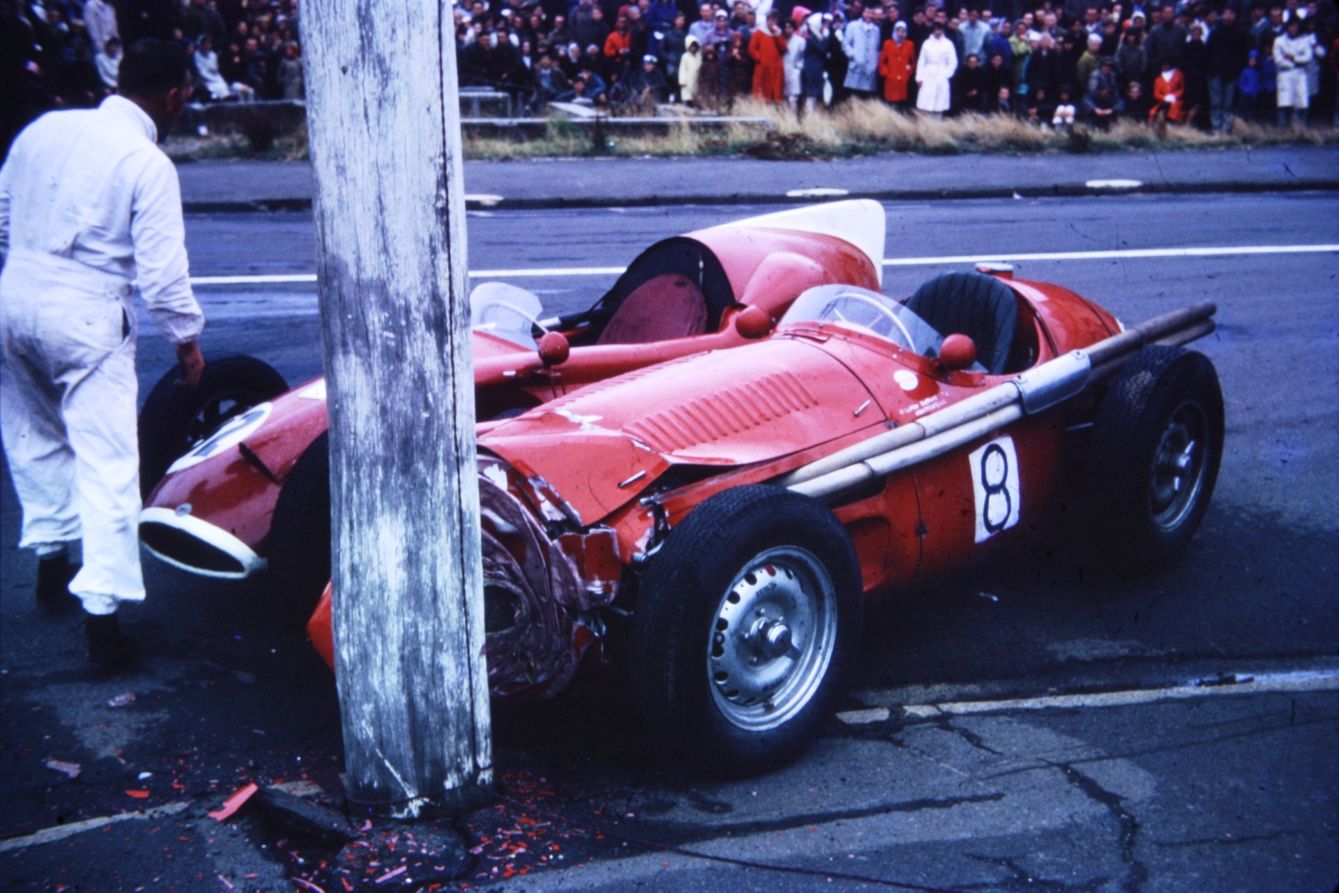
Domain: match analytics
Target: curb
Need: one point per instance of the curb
(1059, 190)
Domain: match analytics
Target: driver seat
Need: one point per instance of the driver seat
(976, 305)
(661, 308)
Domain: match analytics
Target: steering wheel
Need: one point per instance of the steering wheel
(882, 310)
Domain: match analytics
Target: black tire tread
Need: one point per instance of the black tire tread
(698, 553)
(299, 540)
(1123, 439)
(170, 407)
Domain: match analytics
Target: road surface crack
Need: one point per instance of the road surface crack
(1137, 873)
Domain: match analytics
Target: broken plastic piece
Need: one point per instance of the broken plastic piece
(138, 793)
(235, 802)
(71, 770)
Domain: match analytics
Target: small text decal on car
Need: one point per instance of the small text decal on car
(994, 469)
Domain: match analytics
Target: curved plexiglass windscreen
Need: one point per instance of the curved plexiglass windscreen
(866, 311)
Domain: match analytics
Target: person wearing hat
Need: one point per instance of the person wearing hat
(1102, 103)
(767, 47)
(937, 63)
(720, 32)
(646, 86)
(896, 62)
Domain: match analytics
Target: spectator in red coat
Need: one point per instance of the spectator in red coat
(767, 46)
(897, 62)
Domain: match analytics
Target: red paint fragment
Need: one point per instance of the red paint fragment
(138, 793)
(235, 802)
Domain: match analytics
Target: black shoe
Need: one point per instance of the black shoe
(53, 583)
(108, 647)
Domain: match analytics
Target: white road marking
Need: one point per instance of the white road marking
(1114, 184)
(1232, 684)
(60, 832)
(1117, 254)
(942, 260)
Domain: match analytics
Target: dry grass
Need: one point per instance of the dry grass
(856, 128)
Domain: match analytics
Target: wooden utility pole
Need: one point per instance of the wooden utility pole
(384, 124)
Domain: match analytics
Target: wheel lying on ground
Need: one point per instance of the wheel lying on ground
(176, 416)
(1157, 441)
(746, 621)
(299, 540)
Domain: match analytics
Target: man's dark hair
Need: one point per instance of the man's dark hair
(151, 67)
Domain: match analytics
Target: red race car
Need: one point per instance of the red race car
(720, 519)
(236, 470)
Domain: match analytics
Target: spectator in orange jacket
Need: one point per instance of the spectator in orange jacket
(1169, 91)
(897, 60)
(767, 46)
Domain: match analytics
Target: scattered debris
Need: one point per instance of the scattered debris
(393, 873)
(71, 770)
(138, 793)
(122, 700)
(235, 802)
(303, 817)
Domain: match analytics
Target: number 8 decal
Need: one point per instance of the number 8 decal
(994, 469)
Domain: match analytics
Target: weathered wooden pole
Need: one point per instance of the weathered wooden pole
(384, 124)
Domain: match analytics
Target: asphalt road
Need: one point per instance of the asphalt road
(1141, 781)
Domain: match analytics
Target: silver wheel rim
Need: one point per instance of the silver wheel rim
(771, 638)
(1178, 466)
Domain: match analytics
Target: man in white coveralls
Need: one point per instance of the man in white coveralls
(90, 208)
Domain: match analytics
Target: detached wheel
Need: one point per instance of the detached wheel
(299, 540)
(747, 620)
(1157, 443)
(176, 417)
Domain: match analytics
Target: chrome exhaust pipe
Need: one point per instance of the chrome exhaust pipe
(1029, 393)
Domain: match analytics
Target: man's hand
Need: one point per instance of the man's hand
(192, 362)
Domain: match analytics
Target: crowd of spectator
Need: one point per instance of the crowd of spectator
(66, 53)
(1200, 63)
(1053, 63)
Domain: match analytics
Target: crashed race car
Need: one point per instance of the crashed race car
(719, 520)
(236, 470)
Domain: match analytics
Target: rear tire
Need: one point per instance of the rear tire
(176, 416)
(299, 540)
(746, 621)
(1157, 442)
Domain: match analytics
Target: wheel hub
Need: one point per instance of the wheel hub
(1178, 467)
(772, 638)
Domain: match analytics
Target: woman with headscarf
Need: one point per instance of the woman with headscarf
(938, 61)
(896, 63)
(816, 51)
(690, 67)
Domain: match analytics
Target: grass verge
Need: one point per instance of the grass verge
(856, 128)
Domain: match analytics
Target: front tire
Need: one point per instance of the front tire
(1157, 444)
(746, 621)
(177, 416)
(299, 539)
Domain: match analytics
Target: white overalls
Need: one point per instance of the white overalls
(89, 208)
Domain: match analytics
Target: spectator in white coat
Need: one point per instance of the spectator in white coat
(794, 65)
(90, 210)
(1292, 55)
(936, 65)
